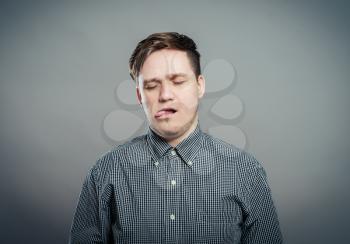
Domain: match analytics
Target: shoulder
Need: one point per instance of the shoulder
(230, 154)
(242, 165)
(108, 162)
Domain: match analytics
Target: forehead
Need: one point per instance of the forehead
(164, 62)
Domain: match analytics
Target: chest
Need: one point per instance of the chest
(176, 204)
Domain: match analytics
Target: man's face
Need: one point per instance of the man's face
(169, 92)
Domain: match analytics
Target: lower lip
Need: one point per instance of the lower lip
(165, 115)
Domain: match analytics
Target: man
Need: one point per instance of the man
(176, 184)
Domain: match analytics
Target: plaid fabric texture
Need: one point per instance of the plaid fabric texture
(202, 191)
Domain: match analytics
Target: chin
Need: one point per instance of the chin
(167, 131)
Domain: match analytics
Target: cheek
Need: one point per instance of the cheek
(189, 103)
(150, 105)
(189, 98)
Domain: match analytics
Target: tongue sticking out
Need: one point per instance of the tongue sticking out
(164, 112)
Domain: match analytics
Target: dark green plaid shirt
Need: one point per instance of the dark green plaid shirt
(202, 191)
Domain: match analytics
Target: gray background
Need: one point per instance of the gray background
(61, 61)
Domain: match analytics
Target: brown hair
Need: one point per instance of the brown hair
(163, 40)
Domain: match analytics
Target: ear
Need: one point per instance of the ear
(138, 93)
(201, 86)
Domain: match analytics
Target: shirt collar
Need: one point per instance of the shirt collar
(187, 149)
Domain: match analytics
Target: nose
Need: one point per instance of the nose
(165, 93)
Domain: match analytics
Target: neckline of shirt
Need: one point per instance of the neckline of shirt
(187, 149)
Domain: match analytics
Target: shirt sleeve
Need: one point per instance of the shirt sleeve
(261, 224)
(86, 226)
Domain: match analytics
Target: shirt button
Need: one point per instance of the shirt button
(173, 152)
(189, 163)
(172, 216)
(173, 182)
(156, 163)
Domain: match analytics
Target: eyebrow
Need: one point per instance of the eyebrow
(170, 76)
(151, 80)
(173, 76)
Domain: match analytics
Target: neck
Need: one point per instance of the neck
(175, 141)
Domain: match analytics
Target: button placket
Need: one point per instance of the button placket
(174, 194)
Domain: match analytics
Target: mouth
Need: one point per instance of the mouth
(165, 113)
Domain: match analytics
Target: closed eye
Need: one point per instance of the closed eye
(150, 85)
(178, 82)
